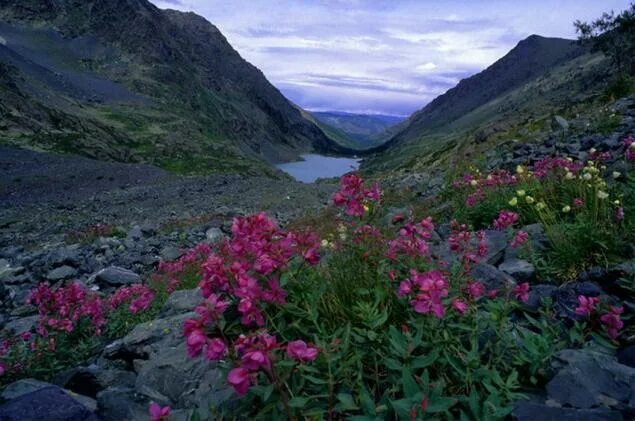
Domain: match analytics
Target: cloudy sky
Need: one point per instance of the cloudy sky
(382, 56)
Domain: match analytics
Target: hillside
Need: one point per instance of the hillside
(123, 80)
(514, 97)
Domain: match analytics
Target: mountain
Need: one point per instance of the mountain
(366, 130)
(123, 80)
(535, 80)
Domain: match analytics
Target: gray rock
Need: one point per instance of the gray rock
(181, 302)
(114, 276)
(61, 273)
(22, 325)
(531, 411)
(491, 277)
(214, 235)
(121, 404)
(22, 387)
(135, 233)
(537, 294)
(148, 337)
(521, 270)
(496, 245)
(587, 379)
(47, 402)
(626, 356)
(170, 253)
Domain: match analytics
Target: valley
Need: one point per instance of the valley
(179, 240)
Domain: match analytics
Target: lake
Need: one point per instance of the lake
(319, 166)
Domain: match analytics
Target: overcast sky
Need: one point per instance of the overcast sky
(382, 56)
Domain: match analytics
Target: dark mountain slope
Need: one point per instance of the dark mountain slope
(531, 58)
(187, 100)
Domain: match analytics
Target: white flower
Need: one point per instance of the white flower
(602, 194)
(513, 202)
(520, 193)
(587, 176)
(616, 174)
(473, 183)
(566, 209)
(529, 199)
(520, 169)
(592, 150)
(541, 205)
(569, 176)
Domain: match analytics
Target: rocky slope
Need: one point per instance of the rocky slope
(126, 81)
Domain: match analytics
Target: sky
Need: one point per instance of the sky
(382, 56)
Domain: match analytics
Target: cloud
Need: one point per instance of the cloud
(381, 56)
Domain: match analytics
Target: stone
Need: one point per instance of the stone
(587, 379)
(537, 294)
(626, 356)
(135, 233)
(49, 403)
(22, 325)
(214, 235)
(22, 387)
(496, 245)
(531, 411)
(559, 123)
(181, 302)
(491, 277)
(521, 270)
(121, 404)
(61, 273)
(170, 253)
(589, 289)
(114, 276)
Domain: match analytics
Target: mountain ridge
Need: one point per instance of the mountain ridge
(204, 101)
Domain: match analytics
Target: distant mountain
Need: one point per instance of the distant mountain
(365, 129)
(124, 80)
(536, 78)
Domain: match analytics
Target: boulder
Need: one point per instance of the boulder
(48, 403)
(214, 235)
(61, 273)
(586, 379)
(520, 270)
(491, 277)
(181, 302)
(114, 276)
(531, 411)
(170, 253)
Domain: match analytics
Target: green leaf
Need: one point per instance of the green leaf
(266, 394)
(408, 383)
(347, 403)
(298, 402)
(441, 404)
(314, 380)
(425, 360)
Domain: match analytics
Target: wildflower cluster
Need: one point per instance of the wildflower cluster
(63, 308)
(609, 315)
(244, 272)
(412, 240)
(138, 298)
(356, 197)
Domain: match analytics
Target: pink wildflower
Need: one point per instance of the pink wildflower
(619, 214)
(239, 379)
(578, 203)
(519, 239)
(459, 305)
(586, 305)
(505, 219)
(475, 289)
(612, 321)
(300, 351)
(158, 413)
(216, 349)
(521, 292)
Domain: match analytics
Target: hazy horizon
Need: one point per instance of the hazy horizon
(381, 57)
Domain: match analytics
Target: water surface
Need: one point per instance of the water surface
(319, 166)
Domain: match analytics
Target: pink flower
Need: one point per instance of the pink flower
(505, 219)
(405, 288)
(521, 292)
(578, 203)
(301, 352)
(519, 239)
(239, 379)
(612, 321)
(158, 413)
(459, 305)
(619, 214)
(430, 287)
(586, 305)
(630, 150)
(216, 349)
(475, 289)
(196, 340)
(254, 360)
(3, 369)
